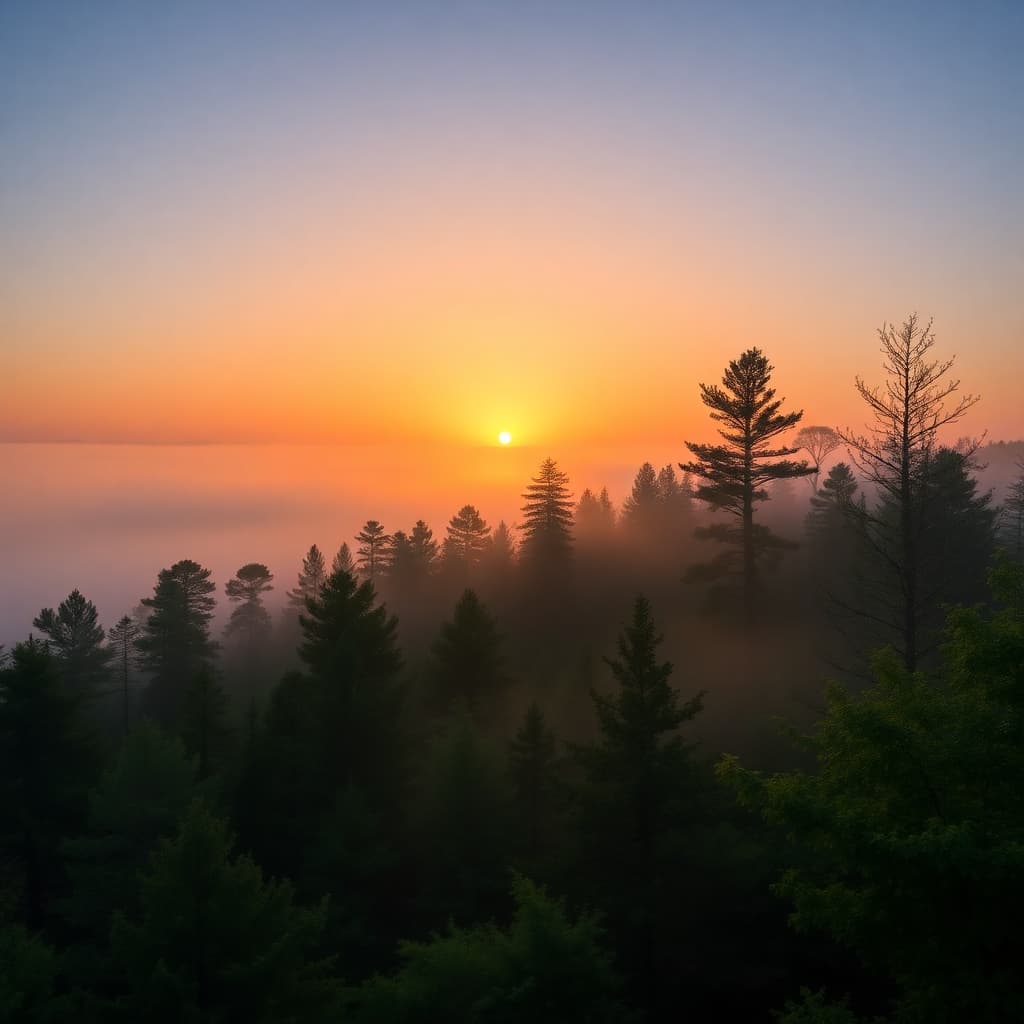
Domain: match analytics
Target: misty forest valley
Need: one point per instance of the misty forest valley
(742, 743)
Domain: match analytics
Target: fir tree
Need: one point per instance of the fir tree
(466, 540)
(372, 550)
(640, 509)
(343, 560)
(547, 520)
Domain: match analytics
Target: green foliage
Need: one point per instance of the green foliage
(28, 976)
(214, 940)
(76, 640)
(468, 663)
(813, 1008)
(46, 766)
(176, 636)
(544, 967)
(534, 771)
(913, 825)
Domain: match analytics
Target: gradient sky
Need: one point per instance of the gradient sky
(304, 222)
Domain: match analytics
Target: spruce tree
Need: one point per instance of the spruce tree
(343, 560)
(466, 540)
(735, 473)
(547, 521)
(372, 550)
(640, 509)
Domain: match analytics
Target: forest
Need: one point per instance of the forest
(746, 747)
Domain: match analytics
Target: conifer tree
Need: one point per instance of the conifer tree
(547, 520)
(640, 509)
(372, 550)
(250, 620)
(124, 643)
(424, 547)
(204, 726)
(466, 539)
(214, 940)
(637, 796)
(533, 770)
(1012, 525)
(343, 560)
(500, 554)
(175, 640)
(76, 640)
(468, 663)
(735, 473)
(47, 763)
(311, 579)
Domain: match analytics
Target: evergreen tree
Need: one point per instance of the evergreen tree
(175, 640)
(124, 643)
(1012, 525)
(468, 663)
(547, 521)
(204, 721)
(372, 550)
(424, 547)
(533, 768)
(46, 766)
(544, 968)
(500, 554)
(833, 505)
(466, 540)
(76, 640)
(311, 578)
(894, 455)
(637, 794)
(640, 510)
(250, 621)
(909, 831)
(139, 800)
(735, 473)
(215, 941)
(343, 561)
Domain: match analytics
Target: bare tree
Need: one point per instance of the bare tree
(894, 454)
(818, 442)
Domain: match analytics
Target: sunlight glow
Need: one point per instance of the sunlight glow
(505, 437)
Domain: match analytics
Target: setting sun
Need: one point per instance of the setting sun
(505, 437)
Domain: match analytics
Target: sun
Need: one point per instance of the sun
(505, 437)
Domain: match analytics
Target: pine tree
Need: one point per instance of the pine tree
(636, 797)
(640, 510)
(372, 550)
(466, 540)
(76, 640)
(424, 547)
(311, 579)
(500, 554)
(547, 521)
(533, 768)
(250, 620)
(343, 560)
(175, 641)
(214, 940)
(123, 639)
(46, 766)
(204, 726)
(468, 663)
(735, 473)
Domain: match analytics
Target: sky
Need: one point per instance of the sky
(425, 223)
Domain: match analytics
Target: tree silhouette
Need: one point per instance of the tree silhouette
(466, 539)
(76, 640)
(468, 663)
(124, 643)
(735, 473)
(250, 620)
(311, 579)
(641, 507)
(175, 640)
(547, 520)
(533, 768)
(204, 720)
(214, 940)
(894, 454)
(638, 779)
(46, 766)
(818, 442)
(1012, 525)
(343, 560)
(372, 550)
